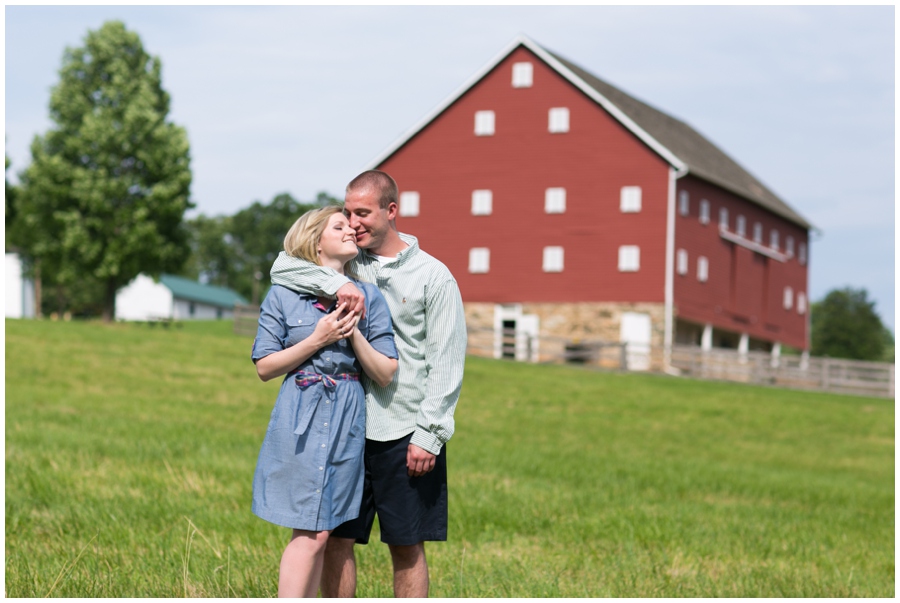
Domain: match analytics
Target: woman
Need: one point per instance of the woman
(310, 471)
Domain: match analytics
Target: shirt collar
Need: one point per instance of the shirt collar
(407, 253)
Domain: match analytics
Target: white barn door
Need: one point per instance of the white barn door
(515, 334)
(635, 331)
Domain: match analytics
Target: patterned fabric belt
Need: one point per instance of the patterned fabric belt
(304, 379)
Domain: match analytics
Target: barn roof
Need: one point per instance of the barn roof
(677, 142)
(183, 288)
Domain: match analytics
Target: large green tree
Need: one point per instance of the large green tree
(105, 195)
(845, 325)
(11, 208)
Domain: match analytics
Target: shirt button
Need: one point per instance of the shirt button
(321, 468)
(317, 490)
(323, 445)
(326, 424)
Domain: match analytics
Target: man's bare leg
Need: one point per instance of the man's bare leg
(410, 570)
(339, 573)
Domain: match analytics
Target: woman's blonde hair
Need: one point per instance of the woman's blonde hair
(302, 240)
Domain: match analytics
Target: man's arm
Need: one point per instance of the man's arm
(445, 356)
(312, 279)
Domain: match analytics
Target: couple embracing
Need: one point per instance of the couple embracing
(371, 381)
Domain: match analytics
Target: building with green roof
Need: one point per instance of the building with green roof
(174, 298)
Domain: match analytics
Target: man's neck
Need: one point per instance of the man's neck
(392, 245)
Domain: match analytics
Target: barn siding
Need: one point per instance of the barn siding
(745, 289)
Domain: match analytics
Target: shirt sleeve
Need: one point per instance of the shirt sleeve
(306, 277)
(378, 327)
(445, 356)
(272, 329)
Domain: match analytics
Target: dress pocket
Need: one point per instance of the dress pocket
(300, 325)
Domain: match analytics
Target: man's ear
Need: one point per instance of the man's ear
(392, 210)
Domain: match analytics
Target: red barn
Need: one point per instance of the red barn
(567, 208)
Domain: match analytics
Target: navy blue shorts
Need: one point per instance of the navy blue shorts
(410, 509)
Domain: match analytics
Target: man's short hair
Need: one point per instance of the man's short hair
(379, 181)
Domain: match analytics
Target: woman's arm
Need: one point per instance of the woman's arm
(328, 330)
(375, 348)
(378, 367)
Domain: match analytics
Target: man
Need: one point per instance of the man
(408, 422)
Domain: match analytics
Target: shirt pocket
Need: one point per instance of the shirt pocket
(300, 325)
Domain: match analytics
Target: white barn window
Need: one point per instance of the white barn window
(630, 199)
(801, 303)
(789, 246)
(788, 298)
(684, 203)
(522, 75)
(558, 120)
(723, 218)
(479, 260)
(801, 253)
(555, 200)
(757, 232)
(553, 259)
(484, 123)
(482, 202)
(682, 261)
(702, 269)
(409, 204)
(704, 211)
(740, 226)
(773, 239)
(629, 258)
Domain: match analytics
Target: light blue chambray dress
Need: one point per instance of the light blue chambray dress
(309, 475)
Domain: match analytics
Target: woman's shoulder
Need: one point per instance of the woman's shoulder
(285, 297)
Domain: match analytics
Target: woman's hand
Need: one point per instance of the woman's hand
(335, 326)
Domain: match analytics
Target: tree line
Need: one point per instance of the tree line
(105, 195)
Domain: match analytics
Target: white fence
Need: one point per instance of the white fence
(546, 350)
(246, 319)
(824, 374)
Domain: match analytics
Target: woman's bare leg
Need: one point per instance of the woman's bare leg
(301, 564)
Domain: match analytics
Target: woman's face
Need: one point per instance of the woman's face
(338, 240)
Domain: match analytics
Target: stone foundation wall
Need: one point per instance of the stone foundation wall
(561, 323)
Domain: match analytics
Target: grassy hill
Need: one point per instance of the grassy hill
(130, 452)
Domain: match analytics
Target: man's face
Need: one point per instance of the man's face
(370, 222)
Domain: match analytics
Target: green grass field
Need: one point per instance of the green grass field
(130, 452)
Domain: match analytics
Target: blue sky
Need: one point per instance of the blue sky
(301, 98)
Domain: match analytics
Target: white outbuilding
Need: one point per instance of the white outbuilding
(19, 289)
(174, 298)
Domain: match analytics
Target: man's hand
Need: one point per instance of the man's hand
(418, 461)
(353, 299)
